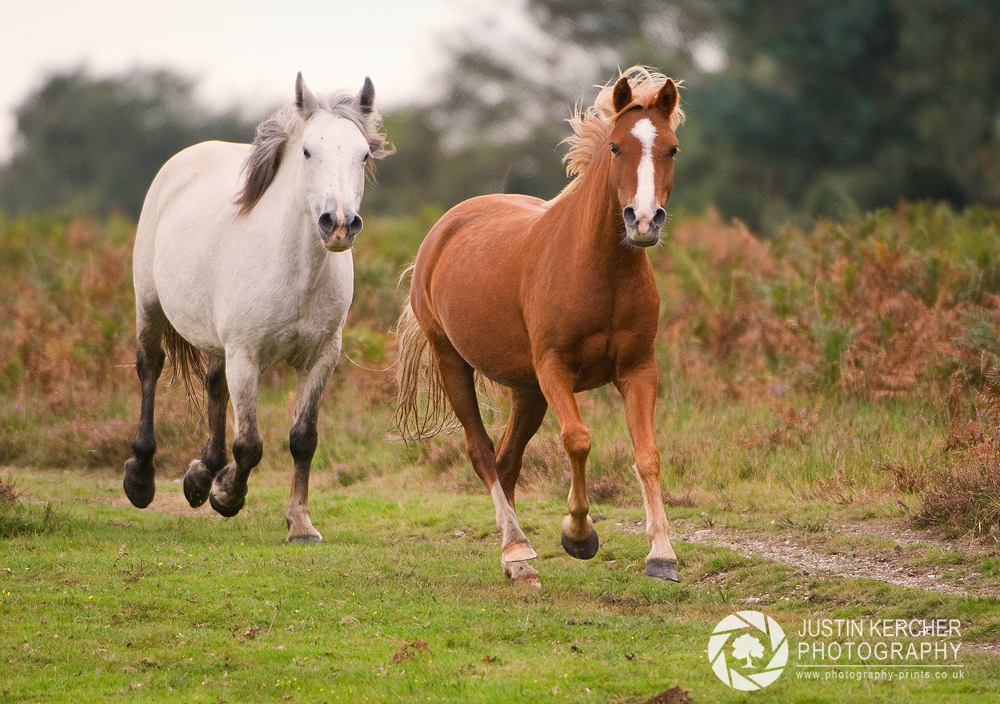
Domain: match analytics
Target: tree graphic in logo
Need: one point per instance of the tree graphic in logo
(747, 646)
(754, 636)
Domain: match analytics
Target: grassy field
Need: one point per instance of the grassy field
(824, 395)
(405, 601)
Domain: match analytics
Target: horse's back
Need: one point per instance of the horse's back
(494, 222)
(202, 171)
(187, 204)
(467, 280)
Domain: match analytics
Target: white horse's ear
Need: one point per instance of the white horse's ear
(305, 101)
(366, 96)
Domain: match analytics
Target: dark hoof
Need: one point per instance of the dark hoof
(138, 492)
(304, 539)
(197, 484)
(583, 550)
(227, 511)
(663, 569)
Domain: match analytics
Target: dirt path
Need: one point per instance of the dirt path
(848, 552)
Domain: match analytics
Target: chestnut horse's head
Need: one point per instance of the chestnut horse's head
(642, 145)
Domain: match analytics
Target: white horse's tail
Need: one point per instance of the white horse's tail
(187, 362)
(416, 371)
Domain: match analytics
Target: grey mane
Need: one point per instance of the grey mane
(274, 133)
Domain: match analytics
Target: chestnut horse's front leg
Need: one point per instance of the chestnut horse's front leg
(579, 538)
(638, 390)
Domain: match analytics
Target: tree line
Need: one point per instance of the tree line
(796, 109)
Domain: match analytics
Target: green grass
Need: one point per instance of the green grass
(403, 601)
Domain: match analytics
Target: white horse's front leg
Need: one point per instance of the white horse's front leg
(302, 441)
(229, 489)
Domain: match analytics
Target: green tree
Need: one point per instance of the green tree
(89, 145)
(829, 106)
(821, 106)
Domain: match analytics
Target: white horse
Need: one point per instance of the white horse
(243, 259)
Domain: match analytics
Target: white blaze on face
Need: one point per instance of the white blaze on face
(645, 193)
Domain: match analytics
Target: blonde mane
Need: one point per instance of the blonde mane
(592, 125)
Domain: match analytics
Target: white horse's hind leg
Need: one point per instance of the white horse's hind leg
(138, 481)
(200, 473)
(302, 442)
(229, 489)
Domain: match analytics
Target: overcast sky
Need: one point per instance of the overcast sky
(244, 52)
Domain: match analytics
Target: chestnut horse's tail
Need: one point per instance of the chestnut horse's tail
(416, 372)
(187, 362)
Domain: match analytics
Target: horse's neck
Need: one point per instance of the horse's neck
(597, 225)
(292, 241)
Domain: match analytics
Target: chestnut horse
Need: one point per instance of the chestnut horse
(550, 298)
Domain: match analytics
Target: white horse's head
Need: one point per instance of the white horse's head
(330, 146)
(334, 153)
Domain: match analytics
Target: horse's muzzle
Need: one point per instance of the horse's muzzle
(338, 233)
(633, 227)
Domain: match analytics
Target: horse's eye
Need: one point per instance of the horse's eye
(305, 153)
(614, 149)
(366, 157)
(673, 151)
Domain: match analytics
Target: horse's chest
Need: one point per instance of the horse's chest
(288, 339)
(299, 327)
(597, 356)
(615, 339)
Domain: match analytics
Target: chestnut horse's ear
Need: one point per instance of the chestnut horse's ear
(622, 96)
(305, 101)
(666, 99)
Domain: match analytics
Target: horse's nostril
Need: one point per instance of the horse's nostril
(326, 223)
(628, 215)
(659, 217)
(355, 227)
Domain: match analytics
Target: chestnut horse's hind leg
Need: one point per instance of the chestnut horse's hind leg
(229, 488)
(138, 482)
(200, 473)
(459, 384)
(579, 538)
(526, 415)
(302, 440)
(638, 390)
